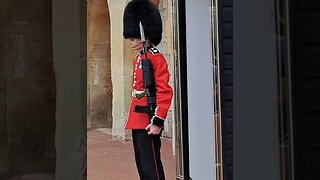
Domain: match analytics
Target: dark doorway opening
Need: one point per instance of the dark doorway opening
(225, 33)
(305, 39)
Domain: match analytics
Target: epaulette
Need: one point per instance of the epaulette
(154, 50)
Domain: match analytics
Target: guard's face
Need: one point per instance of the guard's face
(136, 44)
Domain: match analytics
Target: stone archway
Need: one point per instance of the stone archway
(99, 65)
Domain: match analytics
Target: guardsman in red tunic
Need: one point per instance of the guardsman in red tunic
(147, 124)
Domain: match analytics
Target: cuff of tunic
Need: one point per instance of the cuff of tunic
(157, 121)
(161, 113)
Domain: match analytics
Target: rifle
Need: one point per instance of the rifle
(148, 76)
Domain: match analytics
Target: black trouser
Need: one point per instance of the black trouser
(147, 155)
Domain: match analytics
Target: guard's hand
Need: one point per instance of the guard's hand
(153, 129)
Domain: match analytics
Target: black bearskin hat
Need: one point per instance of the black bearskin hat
(149, 15)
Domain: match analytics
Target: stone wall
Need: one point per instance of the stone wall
(166, 47)
(43, 48)
(121, 69)
(70, 64)
(27, 86)
(4, 148)
(99, 65)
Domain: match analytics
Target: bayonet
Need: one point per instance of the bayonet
(143, 38)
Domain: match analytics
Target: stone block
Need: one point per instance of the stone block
(4, 153)
(30, 123)
(24, 57)
(37, 176)
(99, 73)
(100, 106)
(4, 167)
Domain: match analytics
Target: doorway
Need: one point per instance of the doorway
(305, 53)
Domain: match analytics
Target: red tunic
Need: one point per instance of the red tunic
(164, 90)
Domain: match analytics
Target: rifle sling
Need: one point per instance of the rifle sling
(142, 109)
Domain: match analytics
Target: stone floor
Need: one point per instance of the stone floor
(113, 160)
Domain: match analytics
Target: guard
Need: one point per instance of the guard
(151, 92)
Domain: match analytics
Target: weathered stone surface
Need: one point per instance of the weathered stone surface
(27, 68)
(69, 45)
(99, 65)
(121, 61)
(166, 47)
(34, 177)
(4, 148)
(100, 104)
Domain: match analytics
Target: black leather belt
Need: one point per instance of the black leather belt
(142, 109)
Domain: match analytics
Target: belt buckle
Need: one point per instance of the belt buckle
(135, 93)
